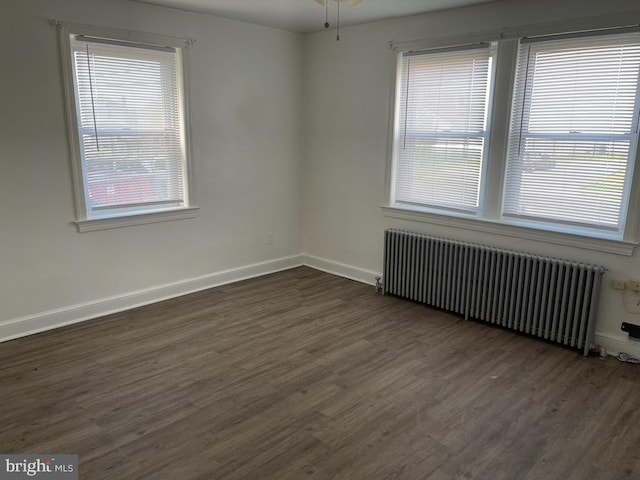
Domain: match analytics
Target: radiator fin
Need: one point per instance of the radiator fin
(549, 298)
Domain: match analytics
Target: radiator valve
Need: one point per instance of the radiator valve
(378, 285)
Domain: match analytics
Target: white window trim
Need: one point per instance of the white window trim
(83, 223)
(504, 79)
(139, 219)
(618, 247)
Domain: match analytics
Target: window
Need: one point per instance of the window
(128, 111)
(574, 131)
(562, 162)
(442, 127)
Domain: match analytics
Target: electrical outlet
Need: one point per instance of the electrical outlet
(618, 284)
(634, 285)
(270, 239)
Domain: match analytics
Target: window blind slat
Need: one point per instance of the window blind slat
(573, 131)
(441, 135)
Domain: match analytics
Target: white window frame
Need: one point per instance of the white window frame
(486, 135)
(489, 219)
(83, 222)
(521, 131)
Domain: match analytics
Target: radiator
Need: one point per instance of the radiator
(549, 298)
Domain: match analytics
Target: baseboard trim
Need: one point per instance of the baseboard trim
(615, 344)
(341, 269)
(32, 324)
(29, 325)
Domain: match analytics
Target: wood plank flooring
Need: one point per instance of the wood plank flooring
(304, 375)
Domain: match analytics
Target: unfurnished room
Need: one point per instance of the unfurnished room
(320, 239)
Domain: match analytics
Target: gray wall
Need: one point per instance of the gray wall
(245, 105)
(290, 137)
(347, 108)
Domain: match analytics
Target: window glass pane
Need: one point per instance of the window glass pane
(441, 131)
(130, 127)
(574, 131)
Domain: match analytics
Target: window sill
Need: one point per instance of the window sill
(617, 247)
(140, 219)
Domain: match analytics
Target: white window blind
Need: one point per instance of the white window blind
(574, 132)
(442, 127)
(130, 125)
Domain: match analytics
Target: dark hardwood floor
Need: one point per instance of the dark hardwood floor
(304, 375)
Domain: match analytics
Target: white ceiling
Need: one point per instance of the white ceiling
(306, 15)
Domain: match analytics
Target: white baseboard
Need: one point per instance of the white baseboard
(615, 344)
(21, 327)
(29, 325)
(341, 269)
